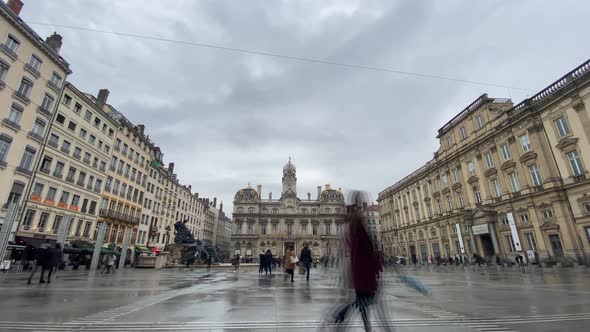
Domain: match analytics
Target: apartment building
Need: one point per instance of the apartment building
(32, 75)
(68, 182)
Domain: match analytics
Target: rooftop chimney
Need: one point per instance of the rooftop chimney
(15, 6)
(319, 191)
(259, 190)
(197, 195)
(54, 41)
(221, 206)
(189, 187)
(171, 168)
(101, 99)
(140, 128)
(214, 202)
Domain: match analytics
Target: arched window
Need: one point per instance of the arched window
(250, 210)
(304, 211)
(275, 211)
(420, 235)
(433, 232)
(314, 211)
(240, 210)
(264, 210)
(327, 210)
(249, 245)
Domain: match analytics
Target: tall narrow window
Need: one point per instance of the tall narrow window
(463, 133)
(5, 142)
(489, 159)
(506, 151)
(27, 160)
(35, 63)
(47, 103)
(471, 168)
(25, 87)
(514, 181)
(11, 43)
(562, 126)
(479, 120)
(525, 143)
(455, 175)
(575, 163)
(535, 175)
(15, 114)
(461, 199)
(496, 187)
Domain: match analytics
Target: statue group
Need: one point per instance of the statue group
(186, 249)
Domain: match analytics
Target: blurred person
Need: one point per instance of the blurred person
(209, 262)
(290, 260)
(236, 262)
(269, 262)
(44, 259)
(364, 267)
(306, 259)
(262, 261)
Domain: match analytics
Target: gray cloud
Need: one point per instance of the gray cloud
(228, 118)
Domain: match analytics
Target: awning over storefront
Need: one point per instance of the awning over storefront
(142, 248)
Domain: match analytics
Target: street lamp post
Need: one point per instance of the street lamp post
(167, 228)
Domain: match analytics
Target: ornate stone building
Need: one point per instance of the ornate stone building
(505, 179)
(277, 223)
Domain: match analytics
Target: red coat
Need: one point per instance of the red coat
(363, 258)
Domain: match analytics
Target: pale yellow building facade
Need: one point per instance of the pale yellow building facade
(32, 75)
(69, 180)
(506, 179)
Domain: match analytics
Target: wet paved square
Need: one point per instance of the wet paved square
(175, 300)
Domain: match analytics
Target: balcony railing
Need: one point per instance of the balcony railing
(70, 179)
(58, 175)
(77, 155)
(45, 170)
(538, 188)
(35, 136)
(65, 150)
(44, 111)
(579, 178)
(80, 183)
(24, 171)
(119, 216)
(11, 124)
(26, 100)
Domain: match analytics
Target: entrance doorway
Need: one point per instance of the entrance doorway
(487, 245)
(556, 245)
(412, 254)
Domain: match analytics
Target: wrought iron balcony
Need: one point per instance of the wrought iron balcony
(107, 213)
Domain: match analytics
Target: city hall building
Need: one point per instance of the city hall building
(281, 222)
(507, 179)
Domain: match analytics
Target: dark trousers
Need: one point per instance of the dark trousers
(307, 266)
(291, 273)
(43, 269)
(267, 269)
(362, 302)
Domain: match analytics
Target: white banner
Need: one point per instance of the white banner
(510, 218)
(458, 227)
(480, 229)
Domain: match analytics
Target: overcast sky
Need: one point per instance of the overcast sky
(228, 118)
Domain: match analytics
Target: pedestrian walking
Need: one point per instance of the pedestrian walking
(364, 266)
(262, 261)
(109, 263)
(236, 262)
(44, 260)
(306, 259)
(268, 266)
(520, 262)
(290, 261)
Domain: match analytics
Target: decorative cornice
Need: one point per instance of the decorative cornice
(529, 156)
(507, 165)
(490, 171)
(566, 142)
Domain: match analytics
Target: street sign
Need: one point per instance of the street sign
(480, 229)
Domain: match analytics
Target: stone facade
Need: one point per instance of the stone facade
(505, 179)
(277, 223)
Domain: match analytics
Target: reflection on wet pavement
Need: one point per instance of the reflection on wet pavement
(224, 300)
